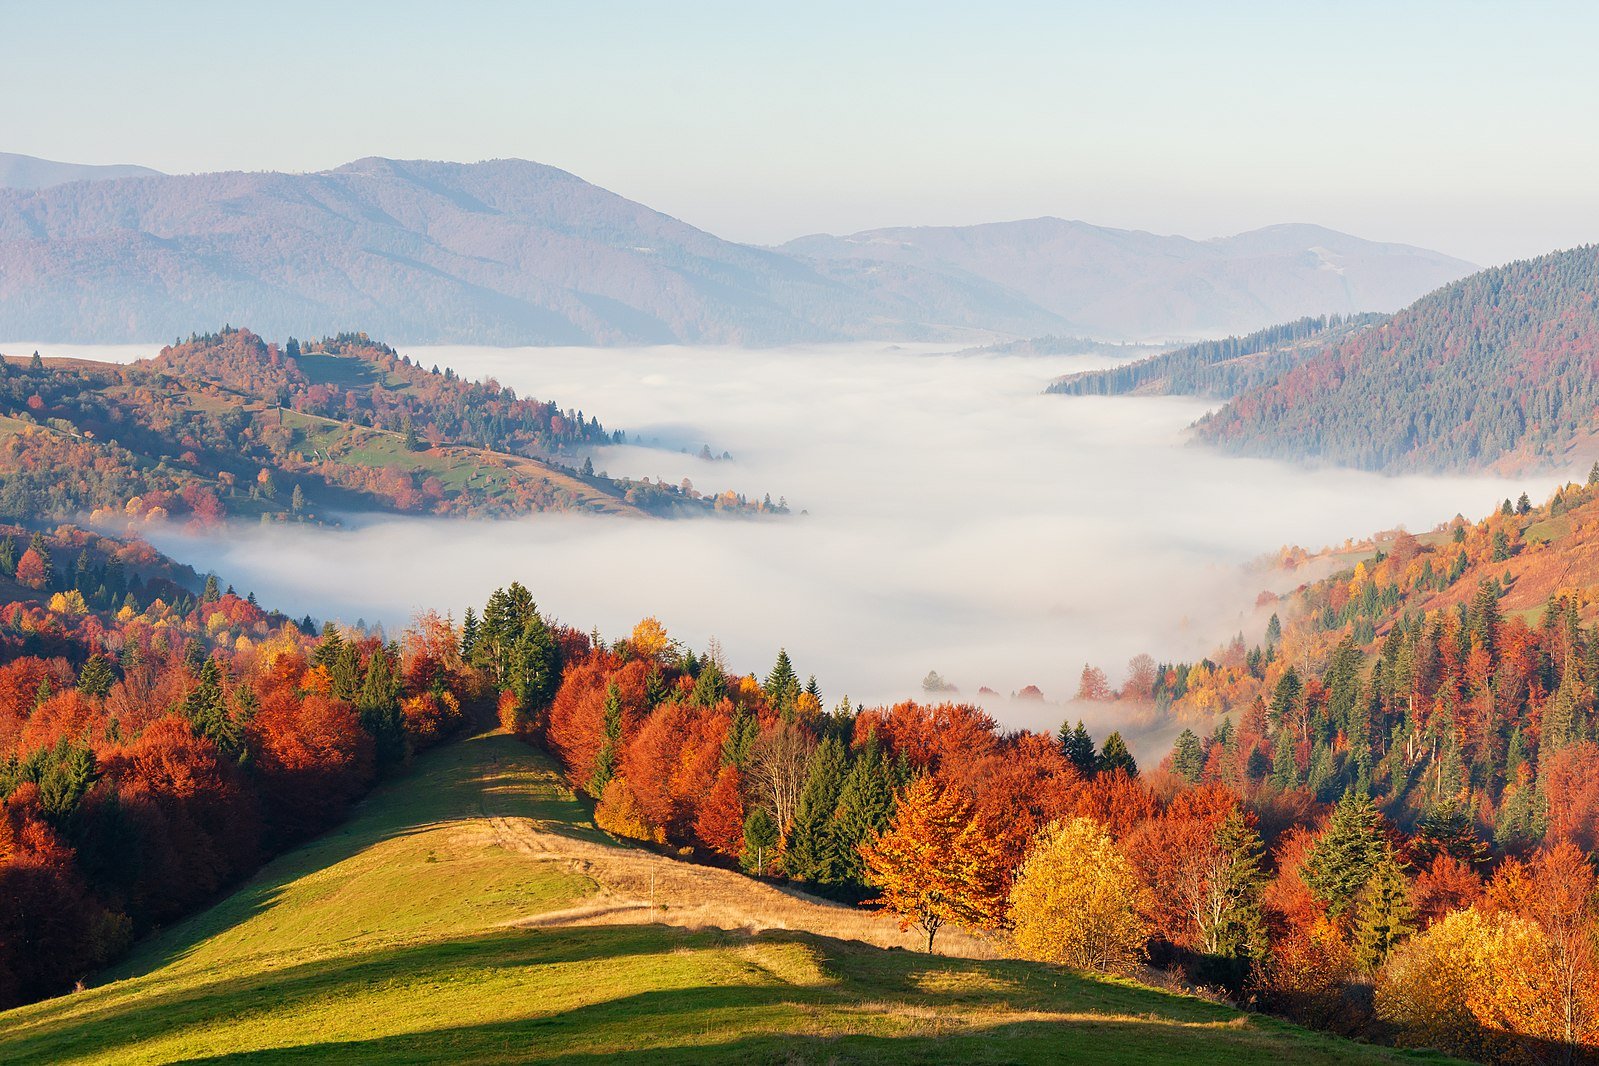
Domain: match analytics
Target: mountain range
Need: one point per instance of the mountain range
(1130, 285)
(515, 252)
(31, 172)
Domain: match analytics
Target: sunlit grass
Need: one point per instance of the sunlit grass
(388, 940)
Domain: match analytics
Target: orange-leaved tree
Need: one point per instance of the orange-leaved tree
(934, 865)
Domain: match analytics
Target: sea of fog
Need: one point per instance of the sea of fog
(956, 520)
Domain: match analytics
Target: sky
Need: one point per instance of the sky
(1465, 127)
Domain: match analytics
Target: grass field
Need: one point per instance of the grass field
(469, 911)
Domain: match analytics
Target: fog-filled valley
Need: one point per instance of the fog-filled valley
(946, 516)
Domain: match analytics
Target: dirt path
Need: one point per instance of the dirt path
(640, 887)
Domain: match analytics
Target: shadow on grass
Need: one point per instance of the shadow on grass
(452, 783)
(878, 1005)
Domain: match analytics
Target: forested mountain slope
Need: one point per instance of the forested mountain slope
(228, 424)
(1498, 371)
(1220, 368)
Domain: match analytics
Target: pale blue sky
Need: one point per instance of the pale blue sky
(1469, 127)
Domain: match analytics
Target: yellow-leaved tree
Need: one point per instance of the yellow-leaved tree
(1076, 900)
(933, 865)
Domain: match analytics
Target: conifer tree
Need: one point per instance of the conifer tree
(1231, 923)
(1342, 859)
(809, 853)
(1384, 914)
(1115, 756)
(760, 839)
(782, 685)
(1078, 747)
(96, 677)
(610, 741)
(1188, 757)
(865, 809)
(206, 708)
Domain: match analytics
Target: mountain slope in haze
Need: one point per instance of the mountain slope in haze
(1128, 284)
(501, 252)
(1220, 368)
(30, 172)
(470, 911)
(1499, 371)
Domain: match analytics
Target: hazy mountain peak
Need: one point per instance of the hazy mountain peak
(513, 251)
(31, 172)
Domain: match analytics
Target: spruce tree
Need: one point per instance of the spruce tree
(610, 742)
(782, 685)
(760, 839)
(1188, 757)
(206, 708)
(709, 686)
(1384, 914)
(809, 851)
(1078, 747)
(1233, 927)
(96, 677)
(865, 808)
(1115, 756)
(1342, 859)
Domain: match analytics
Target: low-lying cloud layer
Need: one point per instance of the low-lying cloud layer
(958, 520)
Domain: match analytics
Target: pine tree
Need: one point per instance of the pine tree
(709, 686)
(96, 677)
(1231, 925)
(1188, 757)
(378, 702)
(212, 593)
(760, 839)
(1446, 829)
(740, 742)
(206, 708)
(610, 742)
(782, 685)
(865, 809)
(468, 633)
(1384, 914)
(1078, 747)
(809, 851)
(1115, 756)
(1342, 859)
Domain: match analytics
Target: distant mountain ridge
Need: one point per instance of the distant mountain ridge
(1132, 285)
(31, 172)
(1498, 371)
(515, 252)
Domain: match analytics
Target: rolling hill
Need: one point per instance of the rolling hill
(30, 172)
(1498, 371)
(470, 911)
(515, 252)
(227, 424)
(1131, 285)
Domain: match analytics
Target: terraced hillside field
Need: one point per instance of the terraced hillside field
(470, 911)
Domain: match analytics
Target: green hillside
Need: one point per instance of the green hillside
(470, 911)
